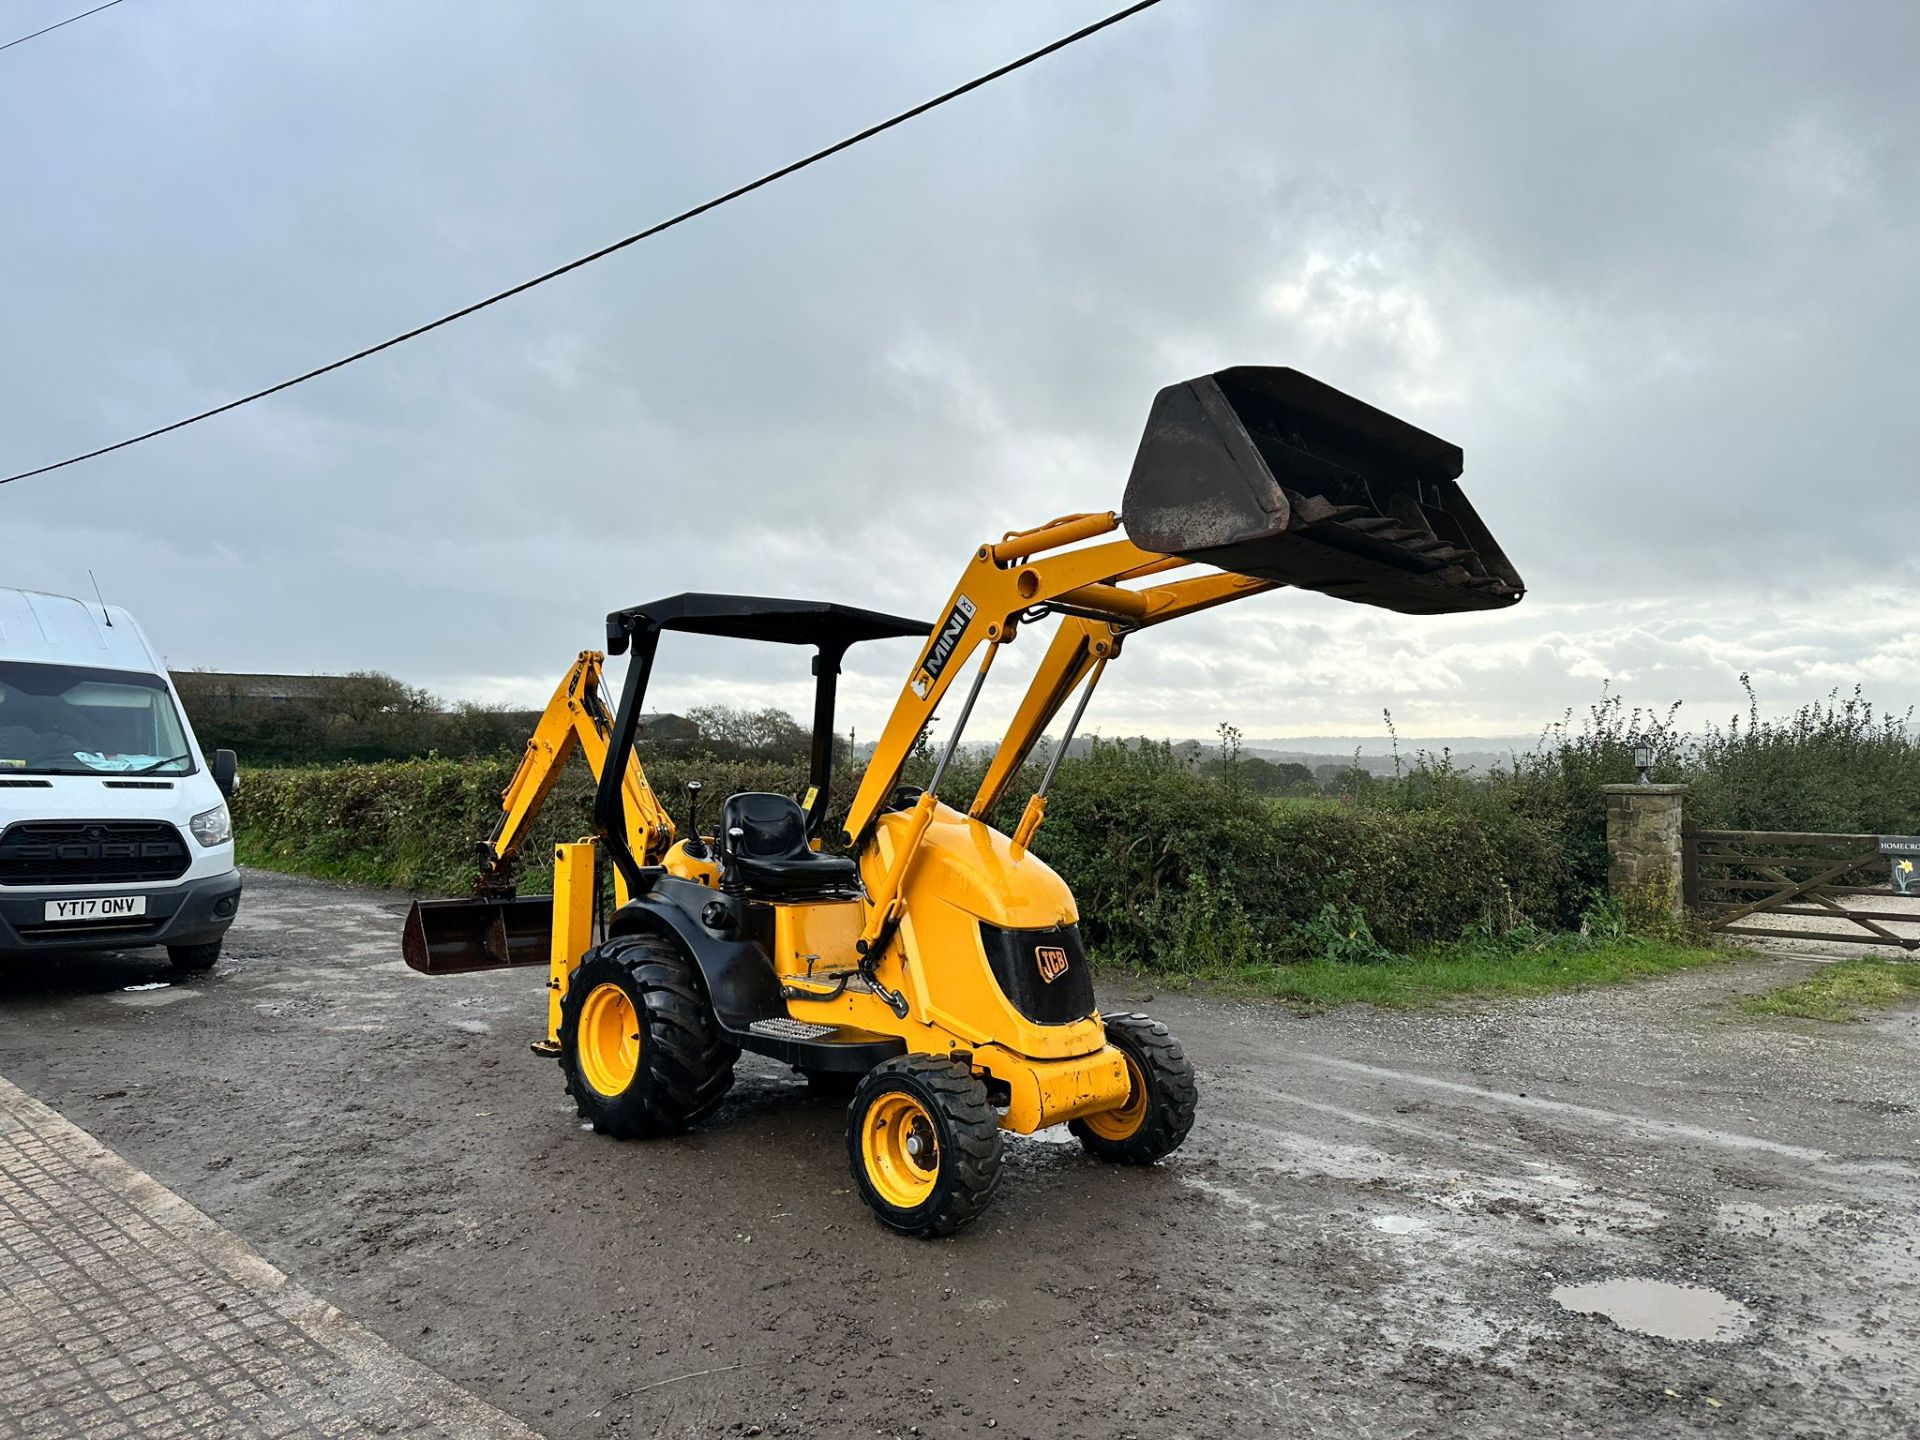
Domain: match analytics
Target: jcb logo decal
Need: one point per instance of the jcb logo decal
(1053, 962)
(944, 641)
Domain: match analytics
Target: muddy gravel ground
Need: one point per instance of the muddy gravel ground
(1363, 1237)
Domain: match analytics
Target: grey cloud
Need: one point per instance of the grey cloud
(1650, 265)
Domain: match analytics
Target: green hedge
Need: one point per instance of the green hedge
(1172, 869)
(1176, 870)
(415, 824)
(1834, 765)
(1183, 868)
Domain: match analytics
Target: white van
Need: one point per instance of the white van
(114, 831)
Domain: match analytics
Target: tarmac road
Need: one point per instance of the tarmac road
(1363, 1236)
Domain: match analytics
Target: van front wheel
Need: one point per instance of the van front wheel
(194, 957)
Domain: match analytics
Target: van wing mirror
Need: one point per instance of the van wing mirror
(225, 766)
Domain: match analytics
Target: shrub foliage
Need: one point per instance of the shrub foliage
(1171, 867)
(1177, 861)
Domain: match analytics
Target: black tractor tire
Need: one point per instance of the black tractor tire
(924, 1101)
(1159, 1110)
(684, 1065)
(194, 957)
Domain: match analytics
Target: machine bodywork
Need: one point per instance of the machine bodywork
(939, 959)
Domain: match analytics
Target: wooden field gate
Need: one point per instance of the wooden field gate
(1732, 878)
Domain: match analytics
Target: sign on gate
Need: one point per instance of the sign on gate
(1903, 861)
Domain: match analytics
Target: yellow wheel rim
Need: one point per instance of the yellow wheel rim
(1120, 1124)
(901, 1150)
(609, 1040)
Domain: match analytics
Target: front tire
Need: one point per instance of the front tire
(924, 1144)
(1161, 1096)
(194, 957)
(639, 1044)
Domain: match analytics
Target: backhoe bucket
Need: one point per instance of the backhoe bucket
(449, 937)
(1267, 472)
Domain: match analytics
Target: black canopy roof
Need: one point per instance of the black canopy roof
(758, 617)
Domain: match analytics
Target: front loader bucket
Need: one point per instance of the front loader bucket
(448, 937)
(1267, 472)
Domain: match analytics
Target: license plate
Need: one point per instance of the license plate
(100, 907)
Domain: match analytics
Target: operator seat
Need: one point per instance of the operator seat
(764, 851)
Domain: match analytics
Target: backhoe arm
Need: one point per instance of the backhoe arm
(575, 718)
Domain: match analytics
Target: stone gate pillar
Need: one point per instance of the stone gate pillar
(1643, 848)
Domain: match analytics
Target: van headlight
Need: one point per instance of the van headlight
(212, 827)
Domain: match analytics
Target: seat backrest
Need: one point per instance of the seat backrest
(772, 827)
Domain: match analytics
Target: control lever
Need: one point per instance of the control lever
(696, 847)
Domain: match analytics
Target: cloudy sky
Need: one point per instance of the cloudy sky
(1655, 267)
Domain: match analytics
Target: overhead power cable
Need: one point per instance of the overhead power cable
(58, 24)
(685, 215)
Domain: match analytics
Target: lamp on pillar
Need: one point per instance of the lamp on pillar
(1642, 761)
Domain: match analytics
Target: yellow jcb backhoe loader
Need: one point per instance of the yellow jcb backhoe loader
(938, 962)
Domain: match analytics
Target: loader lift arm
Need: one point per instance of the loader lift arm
(986, 608)
(1264, 475)
(1009, 584)
(1023, 578)
(1080, 648)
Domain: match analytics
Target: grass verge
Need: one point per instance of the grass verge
(1467, 969)
(1841, 992)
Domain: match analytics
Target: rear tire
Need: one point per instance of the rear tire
(194, 957)
(1161, 1097)
(924, 1144)
(639, 1044)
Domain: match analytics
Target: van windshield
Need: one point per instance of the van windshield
(70, 720)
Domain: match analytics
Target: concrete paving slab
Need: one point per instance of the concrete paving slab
(126, 1314)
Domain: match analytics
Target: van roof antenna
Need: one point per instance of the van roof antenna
(102, 599)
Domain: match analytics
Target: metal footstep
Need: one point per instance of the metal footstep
(780, 1027)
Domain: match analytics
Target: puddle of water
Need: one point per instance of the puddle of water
(1657, 1307)
(1397, 1224)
